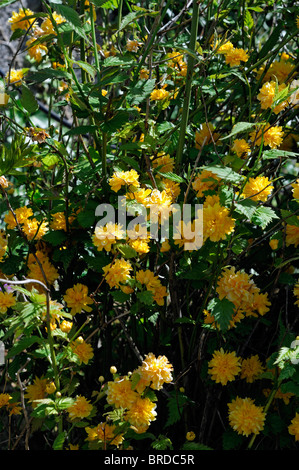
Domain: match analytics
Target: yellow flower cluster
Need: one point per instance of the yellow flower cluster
(267, 95)
(129, 393)
(124, 178)
(32, 228)
(206, 135)
(241, 290)
(105, 237)
(153, 284)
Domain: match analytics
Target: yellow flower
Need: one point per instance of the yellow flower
(165, 246)
(205, 181)
(234, 56)
(164, 162)
(117, 273)
(59, 221)
(172, 188)
(159, 94)
(217, 223)
(223, 48)
(236, 286)
(257, 189)
(36, 51)
(224, 366)
(14, 409)
(14, 77)
(81, 408)
(293, 428)
(274, 243)
(159, 204)
(155, 371)
(190, 436)
(245, 417)
(50, 388)
(77, 299)
(292, 234)
(206, 135)
(7, 300)
(241, 148)
(132, 45)
(141, 413)
(122, 178)
(152, 284)
(35, 271)
(279, 69)
(120, 393)
(47, 25)
(17, 20)
(36, 391)
(66, 326)
(267, 94)
(105, 237)
(4, 399)
(271, 135)
(295, 189)
(251, 368)
(34, 229)
(22, 214)
(3, 182)
(105, 433)
(144, 74)
(141, 196)
(3, 244)
(83, 350)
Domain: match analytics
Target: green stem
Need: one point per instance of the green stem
(188, 86)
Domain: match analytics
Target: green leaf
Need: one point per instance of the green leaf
(225, 173)
(223, 311)
(290, 218)
(248, 20)
(47, 73)
(172, 176)
(127, 251)
(276, 153)
(263, 216)
(140, 91)
(28, 100)
(246, 207)
(240, 127)
(71, 17)
(146, 297)
(23, 344)
(59, 441)
(55, 238)
(87, 67)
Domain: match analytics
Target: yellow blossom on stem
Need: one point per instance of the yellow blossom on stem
(271, 136)
(120, 393)
(245, 417)
(206, 135)
(36, 391)
(81, 408)
(251, 368)
(104, 433)
(293, 428)
(234, 56)
(117, 273)
(155, 371)
(241, 148)
(224, 366)
(83, 350)
(292, 234)
(7, 300)
(258, 189)
(141, 414)
(77, 299)
(18, 21)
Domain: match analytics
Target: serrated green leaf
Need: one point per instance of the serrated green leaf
(263, 216)
(240, 127)
(146, 297)
(223, 311)
(225, 173)
(71, 16)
